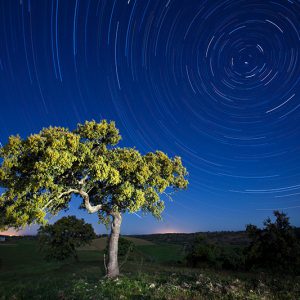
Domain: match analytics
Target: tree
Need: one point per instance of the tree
(275, 246)
(60, 240)
(40, 174)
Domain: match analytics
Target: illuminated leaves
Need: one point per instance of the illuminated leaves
(103, 133)
(39, 174)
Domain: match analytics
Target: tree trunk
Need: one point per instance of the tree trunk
(113, 266)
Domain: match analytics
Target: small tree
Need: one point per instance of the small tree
(275, 246)
(60, 240)
(41, 173)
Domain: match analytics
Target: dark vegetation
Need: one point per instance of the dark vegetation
(239, 238)
(275, 247)
(60, 240)
(203, 253)
(204, 268)
(151, 272)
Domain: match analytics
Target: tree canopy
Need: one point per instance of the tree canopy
(60, 240)
(40, 174)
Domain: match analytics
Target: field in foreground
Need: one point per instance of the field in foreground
(154, 271)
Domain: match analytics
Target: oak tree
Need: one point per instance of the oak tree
(60, 240)
(41, 173)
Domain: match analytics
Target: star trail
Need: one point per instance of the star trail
(216, 82)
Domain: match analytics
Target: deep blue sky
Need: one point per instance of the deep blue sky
(216, 82)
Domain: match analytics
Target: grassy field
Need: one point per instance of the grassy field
(100, 243)
(154, 271)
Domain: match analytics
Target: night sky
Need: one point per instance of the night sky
(215, 82)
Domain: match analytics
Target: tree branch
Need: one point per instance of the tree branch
(70, 191)
(82, 181)
(60, 196)
(90, 208)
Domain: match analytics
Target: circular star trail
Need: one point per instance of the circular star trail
(216, 82)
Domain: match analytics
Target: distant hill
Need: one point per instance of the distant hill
(234, 238)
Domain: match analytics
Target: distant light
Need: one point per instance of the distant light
(169, 230)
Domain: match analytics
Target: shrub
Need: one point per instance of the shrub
(202, 253)
(231, 258)
(125, 247)
(275, 247)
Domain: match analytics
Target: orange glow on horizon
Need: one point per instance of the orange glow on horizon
(11, 232)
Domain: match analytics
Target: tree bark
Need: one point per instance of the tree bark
(113, 266)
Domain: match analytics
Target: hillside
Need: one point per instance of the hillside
(100, 243)
(234, 238)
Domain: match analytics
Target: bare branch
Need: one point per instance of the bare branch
(68, 193)
(104, 261)
(47, 204)
(60, 196)
(82, 181)
(90, 208)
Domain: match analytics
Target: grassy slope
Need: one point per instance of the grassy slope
(149, 275)
(162, 253)
(100, 243)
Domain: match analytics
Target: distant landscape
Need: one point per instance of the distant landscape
(220, 237)
(155, 269)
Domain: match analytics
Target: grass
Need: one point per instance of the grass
(162, 253)
(151, 273)
(100, 243)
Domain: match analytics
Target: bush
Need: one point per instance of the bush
(202, 253)
(275, 247)
(231, 258)
(125, 247)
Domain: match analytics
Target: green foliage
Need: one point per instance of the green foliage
(40, 174)
(231, 258)
(274, 247)
(203, 253)
(125, 247)
(60, 240)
